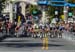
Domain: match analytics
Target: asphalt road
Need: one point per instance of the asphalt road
(35, 45)
(65, 44)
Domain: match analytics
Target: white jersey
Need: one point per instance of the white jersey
(53, 21)
(52, 25)
(35, 26)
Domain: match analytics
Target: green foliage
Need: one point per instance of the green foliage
(50, 11)
(71, 1)
(50, 19)
(34, 10)
(32, 7)
(72, 8)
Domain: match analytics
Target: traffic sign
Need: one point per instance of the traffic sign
(34, 12)
(70, 14)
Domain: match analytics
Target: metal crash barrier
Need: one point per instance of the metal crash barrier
(68, 35)
(41, 33)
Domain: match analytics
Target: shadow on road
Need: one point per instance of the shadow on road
(17, 41)
(29, 45)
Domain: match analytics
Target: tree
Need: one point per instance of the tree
(34, 10)
(2, 5)
(72, 8)
(32, 7)
(71, 1)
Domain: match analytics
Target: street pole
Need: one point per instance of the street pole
(11, 12)
(65, 14)
(45, 39)
(43, 16)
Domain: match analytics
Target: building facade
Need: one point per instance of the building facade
(12, 6)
